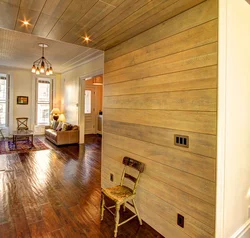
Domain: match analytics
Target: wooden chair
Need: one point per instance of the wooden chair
(22, 123)
(121, 194)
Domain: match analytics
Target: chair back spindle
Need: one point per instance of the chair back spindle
(22, 123)
(132, 163)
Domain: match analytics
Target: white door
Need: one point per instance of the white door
(90, 112)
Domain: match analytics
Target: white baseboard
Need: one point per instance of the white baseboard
(242, 231)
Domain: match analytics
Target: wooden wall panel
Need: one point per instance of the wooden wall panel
(160, 83)
(201, 144)
(193, 17)
(200, 122)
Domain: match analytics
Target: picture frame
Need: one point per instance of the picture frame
(22, 100)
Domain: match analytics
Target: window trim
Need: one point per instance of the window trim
(50, 80)
(7, 116)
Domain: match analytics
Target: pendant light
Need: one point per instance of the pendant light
(42, 63)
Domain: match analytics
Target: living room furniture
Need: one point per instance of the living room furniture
(121, 194)
(22, 123)
(2, 133)
(26, 135)
(62, 137)
(55, 113)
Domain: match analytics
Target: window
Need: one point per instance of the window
(4, 99)
(87, 101)
(43, 101)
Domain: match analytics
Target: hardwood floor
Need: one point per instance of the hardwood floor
(56, 193)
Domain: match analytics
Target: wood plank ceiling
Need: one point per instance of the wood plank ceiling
(107, 22)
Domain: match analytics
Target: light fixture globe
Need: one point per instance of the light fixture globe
(40, 64)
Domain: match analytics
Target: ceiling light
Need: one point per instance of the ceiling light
(86, 39)
(25, 23)
(40, 64)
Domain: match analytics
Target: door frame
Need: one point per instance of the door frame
(81, 97)
(94, 98)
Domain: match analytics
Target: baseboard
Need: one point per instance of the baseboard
(242, 230)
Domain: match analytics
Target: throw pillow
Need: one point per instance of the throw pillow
(64, 126)
(69, 127)
(59, 127)
(54, 124)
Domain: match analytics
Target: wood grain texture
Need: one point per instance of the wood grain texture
(194, 37)
(136, 17)
(201, 78)
(168, 10)
(200, 122)
(184, 161)
(52, 193)
(187, 182)
(191, 59)
(201, 144)
(195, 100)
(157, 84)
(125, 9)
(198, 15)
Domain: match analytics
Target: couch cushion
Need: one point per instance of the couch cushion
(51, 134)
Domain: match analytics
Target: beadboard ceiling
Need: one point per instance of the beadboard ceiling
(20, 50)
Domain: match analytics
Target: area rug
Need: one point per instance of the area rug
(8, 147)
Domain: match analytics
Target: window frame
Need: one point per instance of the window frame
(7, 101)
(50, 80)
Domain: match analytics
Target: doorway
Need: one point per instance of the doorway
(90, 110)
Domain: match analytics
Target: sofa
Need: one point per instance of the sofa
(65, 135)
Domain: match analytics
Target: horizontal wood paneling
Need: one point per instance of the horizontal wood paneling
(203, 122)
(184, 161)
(201, 144)
(157, 84)
(197, 186)
(194, 58)
(195, 100)
(200, 78)
(194, 37)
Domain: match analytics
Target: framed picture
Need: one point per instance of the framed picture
(23, 100)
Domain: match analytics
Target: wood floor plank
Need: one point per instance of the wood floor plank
(56, 193)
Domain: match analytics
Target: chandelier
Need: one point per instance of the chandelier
(42, 63)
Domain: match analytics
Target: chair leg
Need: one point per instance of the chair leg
(117, 218)
(102, 207)
(124, 206)
(136, 211)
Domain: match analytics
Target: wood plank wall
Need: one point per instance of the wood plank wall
(160, 83)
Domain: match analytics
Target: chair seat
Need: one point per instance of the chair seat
(118, 194)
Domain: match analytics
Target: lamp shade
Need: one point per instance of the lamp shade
(98, 80)
(62, 118)
(55, 111)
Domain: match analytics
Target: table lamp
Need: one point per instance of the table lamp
(55, 113)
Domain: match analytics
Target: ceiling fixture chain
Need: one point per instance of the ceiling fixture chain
(40, 64)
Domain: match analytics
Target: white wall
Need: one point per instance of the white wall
(22, 84)
(233, 180)
(71, 85)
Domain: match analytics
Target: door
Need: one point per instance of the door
(90, 112)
